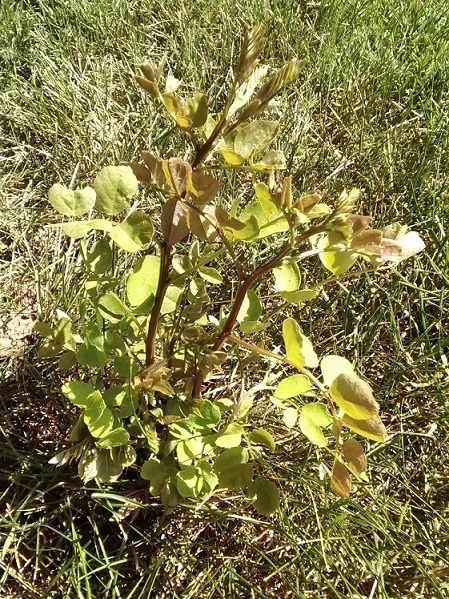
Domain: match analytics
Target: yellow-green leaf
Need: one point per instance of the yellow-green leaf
(354, 396)
(297, 384)
(371, 428)
(332, 366)
(298, 347)
(114, 186)
(69, 202)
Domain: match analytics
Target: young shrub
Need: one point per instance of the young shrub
(154, 354)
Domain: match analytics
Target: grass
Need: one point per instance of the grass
(371, 111)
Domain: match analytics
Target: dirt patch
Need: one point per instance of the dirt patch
(30, 421)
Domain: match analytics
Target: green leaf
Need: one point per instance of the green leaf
(231, 436)
(78, 392)
(298, 347)
(255, 137)
(237, 477)
(143, 280)
(371, 428)
(317, 413)
(211, 275)
(312, 418)
(134, 234)
(250, 231)
(171, 299)
(232, 157)
(99, 258)
(251, 308)
(115, 186)
(78, 229)
(292, 386)
(260, 436)
(289, 417)
(297, 297)
(196, 109)
(287, 277)
(71, 203)
(265, 496)
(90, 356)
(111, 307)
(354, 396)
(230, 458)
(338, 261)
(276, 224)
(108, 469)
(266, 200)
(115, 438)
(189, 482)
(312, 432)
(154, 471)
(332, 366)
(209, 415)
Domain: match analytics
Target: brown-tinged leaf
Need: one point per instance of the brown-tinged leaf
(148, 86)
(174, 221)
(341, 480)
(354, 396)
(371, 428)
(148, 71)
(176, 172)
(355, 456)
(141, 172)
(155, 167)
(203, 187)
(170, 102)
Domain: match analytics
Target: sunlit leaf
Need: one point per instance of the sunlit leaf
(291, 386)
(354, 396)
(114, 186)
(134, 234)
(143, 280)
(229, 458)
(231, 436)
(290, 417)
(298, 347)
(332, 366)
(371, 428)
(115, 438)
(254, 137)
(297, 297)
(251, 308)
(287, 277)
(71, 202)
(260, 436)
(111, 307)
(210, 274)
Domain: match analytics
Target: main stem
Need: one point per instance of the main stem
(241, 292)
(237, 304)
(150, 341)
